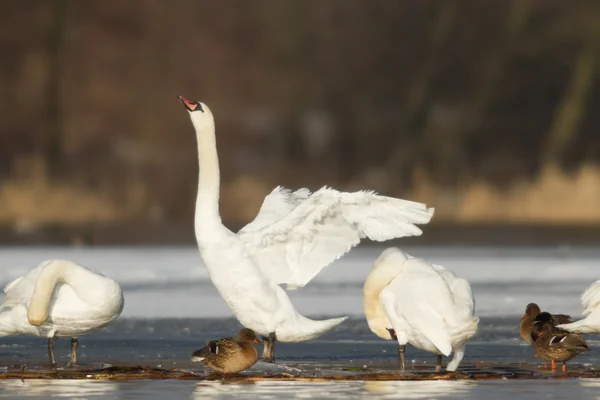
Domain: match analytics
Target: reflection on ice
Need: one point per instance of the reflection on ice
(419, 389)
(278, 390)
(333, 390)
(71, 388)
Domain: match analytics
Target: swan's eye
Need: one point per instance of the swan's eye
(199, 107)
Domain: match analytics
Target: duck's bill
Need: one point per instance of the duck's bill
(189, 105)
(524, 316)
(257, 341)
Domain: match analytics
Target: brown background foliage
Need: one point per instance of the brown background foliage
(486, 110)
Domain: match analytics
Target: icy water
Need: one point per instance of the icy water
(172, 309)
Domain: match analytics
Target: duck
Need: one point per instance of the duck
(590, 300)
(531, 312)
(293, 237)
(229, 355)
(60, 299)
(554, 344)
(412, 301)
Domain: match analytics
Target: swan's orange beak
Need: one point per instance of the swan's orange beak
(188, 104)
(257, 341)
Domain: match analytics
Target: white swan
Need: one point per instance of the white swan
(417, 303)
(590, 300)
(293, 237)
(59, 298)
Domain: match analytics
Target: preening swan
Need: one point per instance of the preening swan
(590, 300)
(294, 236)
(414, 302)
(59, 298)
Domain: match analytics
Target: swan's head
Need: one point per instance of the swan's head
(200, 114)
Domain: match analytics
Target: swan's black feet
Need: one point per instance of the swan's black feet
(269, 347)
(73, 360)
(51, 352)
(438, 363)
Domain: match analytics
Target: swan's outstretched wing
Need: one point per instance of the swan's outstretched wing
(277, 205)
(422, 298)
(326, 226)
(590, 299)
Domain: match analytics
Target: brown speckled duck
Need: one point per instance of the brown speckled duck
(554, 344)
(531, 312)
(229, 355)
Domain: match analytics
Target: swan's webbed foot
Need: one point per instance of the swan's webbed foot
(73, 361)
(269, 347)
(51, 351)
(438, 363)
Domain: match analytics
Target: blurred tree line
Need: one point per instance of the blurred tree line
(358, 94)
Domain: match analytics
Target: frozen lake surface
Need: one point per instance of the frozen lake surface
(172, 309)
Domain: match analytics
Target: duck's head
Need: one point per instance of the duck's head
(542, 325)
(532, 310)
(200, 114)
(247, 335)
(544, 317)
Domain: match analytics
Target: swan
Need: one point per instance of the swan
(590, 300)
(414, 302)
(293, 237)
(59, 298)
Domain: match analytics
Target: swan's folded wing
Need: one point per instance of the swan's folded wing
(277, 205)
(461, 291)
(425, 303)
(12, 285)
(326, 226)
(590, 299)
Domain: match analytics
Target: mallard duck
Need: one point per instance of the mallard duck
(554, 344)
(531, 312)
(229, 355)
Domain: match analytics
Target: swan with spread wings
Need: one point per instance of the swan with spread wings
(294, 236)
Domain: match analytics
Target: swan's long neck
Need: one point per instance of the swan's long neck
(374, 312)
(385, 269)
(54, 273)
(207, 201)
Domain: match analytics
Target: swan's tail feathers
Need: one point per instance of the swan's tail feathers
(590, 324)
(301, 329)
(459, 353)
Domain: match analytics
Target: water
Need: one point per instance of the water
(172, 309)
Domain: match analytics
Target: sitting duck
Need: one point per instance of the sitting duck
(554, 344)
(531, 312)
(229, 355)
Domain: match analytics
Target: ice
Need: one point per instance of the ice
(166, 282)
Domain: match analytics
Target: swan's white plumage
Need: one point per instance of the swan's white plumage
(324, 227)
(426, 305)
(293, 237)
(590, 300)
(277, 205)
(85, 302)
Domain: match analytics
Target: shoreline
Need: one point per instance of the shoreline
(314, 373)
(181, 234)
